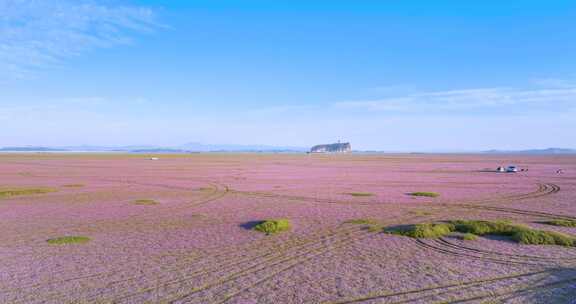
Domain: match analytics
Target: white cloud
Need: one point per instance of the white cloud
(40, 33)
(552, 98)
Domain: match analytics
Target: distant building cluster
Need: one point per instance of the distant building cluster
(332, 148)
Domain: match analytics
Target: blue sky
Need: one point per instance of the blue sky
(388, 75)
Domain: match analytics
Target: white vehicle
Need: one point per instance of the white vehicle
(153, 158)
(512, 169)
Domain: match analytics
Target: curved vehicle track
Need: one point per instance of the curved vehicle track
(516, 292)
(264, 258)
(447, 242)
(215, 193)
(445, 247)
(542, 190)
(278, 262)
(412, 295)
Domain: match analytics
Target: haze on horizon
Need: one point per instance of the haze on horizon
(384, 75)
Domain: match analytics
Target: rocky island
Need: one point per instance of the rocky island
(332, 148)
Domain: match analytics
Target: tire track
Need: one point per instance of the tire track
(294, 261)
(543, 190)
(223, 261)
(446, 242)
(302, 198)
(215, 194)
(271, 254)
(445, 247)
(439, 288)
(531, 289)
(236, 293)
(537, 214)
(450, 251)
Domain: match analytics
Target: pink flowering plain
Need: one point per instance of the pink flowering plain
(191, 242)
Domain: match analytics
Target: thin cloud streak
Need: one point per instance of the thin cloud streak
(39, 34)
(552, 99)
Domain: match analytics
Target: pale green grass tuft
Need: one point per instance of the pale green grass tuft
(145, 202)
(360, 194)
(9, 192)
(68, 240)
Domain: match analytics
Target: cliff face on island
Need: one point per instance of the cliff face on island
(332, 148)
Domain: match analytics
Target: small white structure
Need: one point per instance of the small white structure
(512, 169)
(153, 158)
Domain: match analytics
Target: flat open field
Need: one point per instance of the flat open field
(179, 229)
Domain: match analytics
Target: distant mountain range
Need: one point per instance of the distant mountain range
(535, 151)
(186, 148)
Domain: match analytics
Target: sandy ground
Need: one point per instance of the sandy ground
(196, 246)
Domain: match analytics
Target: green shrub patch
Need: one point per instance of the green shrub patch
(487, 227)
(425, 194)
(426, 230)
(540, 237)
(473, 228)
(273, 226)
(68, 240)
(9, 192)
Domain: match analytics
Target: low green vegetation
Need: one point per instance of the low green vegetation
(68, 240)
(563, 223)
(9, 192)
(519, 233)
(476, 227)
(425, 194)
(469, 237)
(473, 228)
(273, 226)
(145, 202)
(426, 230)
(360, 194)
(540, 237)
